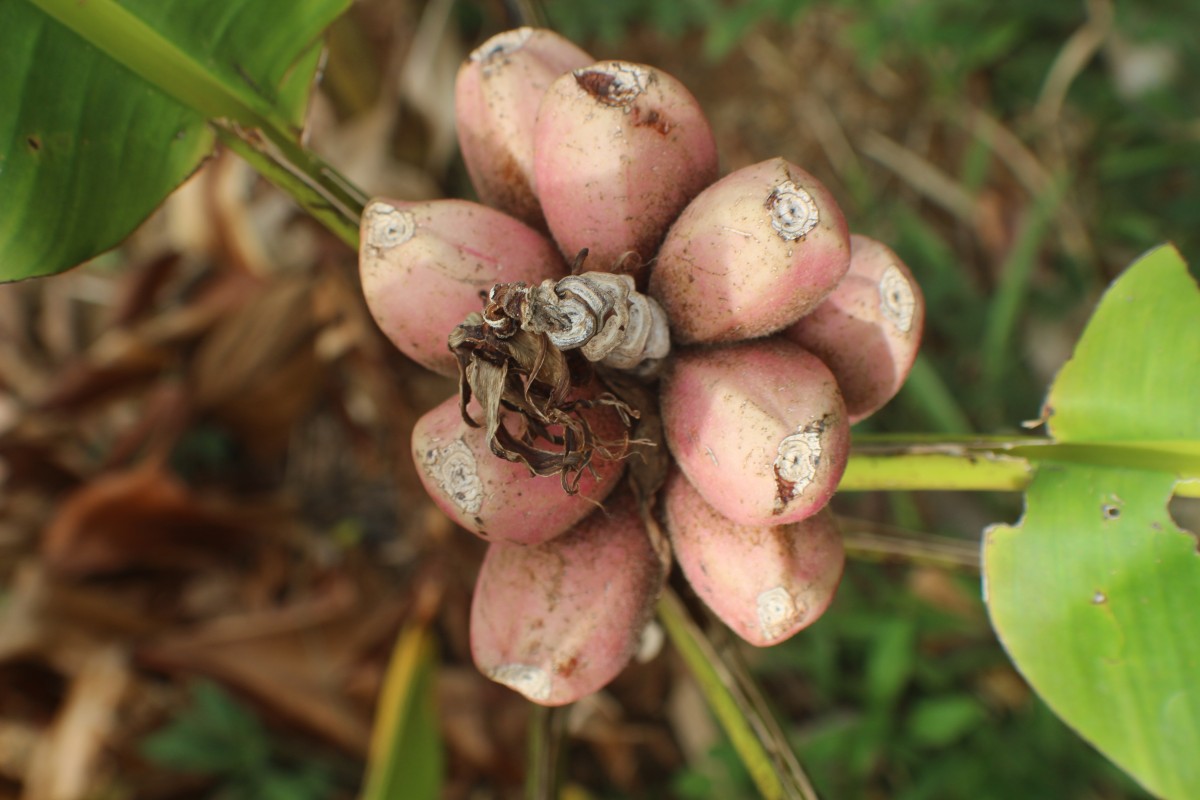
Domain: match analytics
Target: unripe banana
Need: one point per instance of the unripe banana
(426, 266)
(750, 255)
(619, 150)
(759, 428)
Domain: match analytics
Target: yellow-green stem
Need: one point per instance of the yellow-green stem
(735, 701)
(1001, 464)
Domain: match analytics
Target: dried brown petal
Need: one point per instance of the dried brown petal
(525, 374)
(497, 498)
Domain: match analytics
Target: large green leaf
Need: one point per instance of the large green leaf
(1096, 593)
(1135, 374)
(105, 107)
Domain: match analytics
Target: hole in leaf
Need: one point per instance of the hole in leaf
(1111, 511)
(1185, 513)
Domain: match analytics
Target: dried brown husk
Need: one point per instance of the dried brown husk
(523, 372)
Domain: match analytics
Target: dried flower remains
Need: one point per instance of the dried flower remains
(539, 352)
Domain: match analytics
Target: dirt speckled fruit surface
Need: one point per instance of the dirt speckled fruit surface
(558, 621)
(765, 582)
(619, 150)
(759, 428)
(424, 265)
(496, 499)
(751, 254)
(496, 97)
(868, 330)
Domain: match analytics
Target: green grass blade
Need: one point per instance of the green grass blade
(544, 752)
(406, 752)
(1015, 275)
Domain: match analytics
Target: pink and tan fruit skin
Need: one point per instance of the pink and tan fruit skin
(424, 265)
(619, 150)
(869, 329)
(759, 428)
(728, 269)
(496, 499)
(764, 582)
(560, 620)
(496, 99)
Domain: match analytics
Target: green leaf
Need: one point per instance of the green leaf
(86, 150)
(215, 735)
(406, 752)
(106, 104)
(941, 721)
(1094, 594)
(890, 665)
(1135, 375)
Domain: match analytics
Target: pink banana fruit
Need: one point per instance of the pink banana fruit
(425, 266)
(560, 620)
(619, 150)
(764, 582)
(868, 330)
(496, 499)
(496, 99)
(759, 428)
(750, 255)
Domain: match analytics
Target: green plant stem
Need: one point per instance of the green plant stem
(547, 729)
(311, 183)
(738, 705)
(1002, 464)
(868, 541)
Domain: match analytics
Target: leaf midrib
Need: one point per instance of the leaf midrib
(131, 42)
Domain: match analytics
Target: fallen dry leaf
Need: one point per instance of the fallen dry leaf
(66, 762)
(258, 371)
(145, 517)
(297, 661)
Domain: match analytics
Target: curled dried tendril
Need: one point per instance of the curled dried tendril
(600, 313)
(522, 373)
(522, 355)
